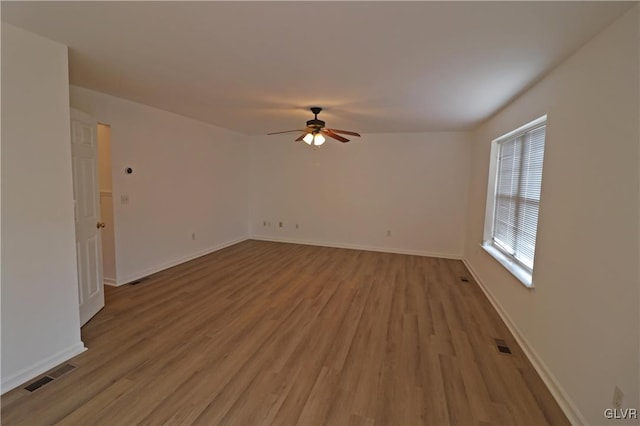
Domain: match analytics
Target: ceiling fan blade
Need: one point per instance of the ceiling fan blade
(301, 137)
(346, 132)
(287, 131)
(329, 133)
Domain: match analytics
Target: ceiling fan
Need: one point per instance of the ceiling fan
(313, 133)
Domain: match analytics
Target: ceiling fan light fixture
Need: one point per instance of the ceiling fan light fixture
(318, 139)
(308, 138)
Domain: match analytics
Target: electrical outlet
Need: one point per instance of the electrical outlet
(617, 397)
(193, 236)
(280, 224)
(124, 199)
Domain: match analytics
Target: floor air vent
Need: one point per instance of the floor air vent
(50, 377)
(39, 383)
(503, 347)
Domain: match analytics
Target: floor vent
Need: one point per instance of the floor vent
(50, 377)
(503, 347)
(464, 279)
(62, 370)
(39, 383)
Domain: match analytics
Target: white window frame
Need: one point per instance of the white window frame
(523, 273)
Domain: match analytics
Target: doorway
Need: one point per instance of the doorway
(106, 204)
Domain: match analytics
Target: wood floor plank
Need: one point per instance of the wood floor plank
(274, 333)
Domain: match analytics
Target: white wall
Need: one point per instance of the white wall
(414, 185)
(188, 177)
(40, 316)
(582, 319)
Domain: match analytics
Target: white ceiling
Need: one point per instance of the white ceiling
(255, 67)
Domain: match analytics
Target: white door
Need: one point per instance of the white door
(84, 152)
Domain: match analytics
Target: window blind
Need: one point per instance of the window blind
(517, 196)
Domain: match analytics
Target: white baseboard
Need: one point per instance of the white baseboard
(31, 372)
(109, 281)
(174, 262)
(356, 247)
(560, 395)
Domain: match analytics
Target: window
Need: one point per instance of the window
(514, 198)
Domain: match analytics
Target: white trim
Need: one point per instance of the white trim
(557, 391)
(522, 129)
(31, 372)
(169, 264)
(357, 247)
(510, 264)
(110, 282)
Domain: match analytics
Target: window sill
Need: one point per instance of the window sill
(521, 274)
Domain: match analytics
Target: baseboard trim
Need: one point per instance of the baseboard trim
(40, 367)
(558, 392)
(356, 247)
(110, 282)
(175, 262)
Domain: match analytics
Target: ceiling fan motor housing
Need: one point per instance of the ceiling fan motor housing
(315, 123)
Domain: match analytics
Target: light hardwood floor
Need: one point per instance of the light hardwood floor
(272, 333)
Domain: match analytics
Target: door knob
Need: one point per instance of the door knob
(100, 225)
